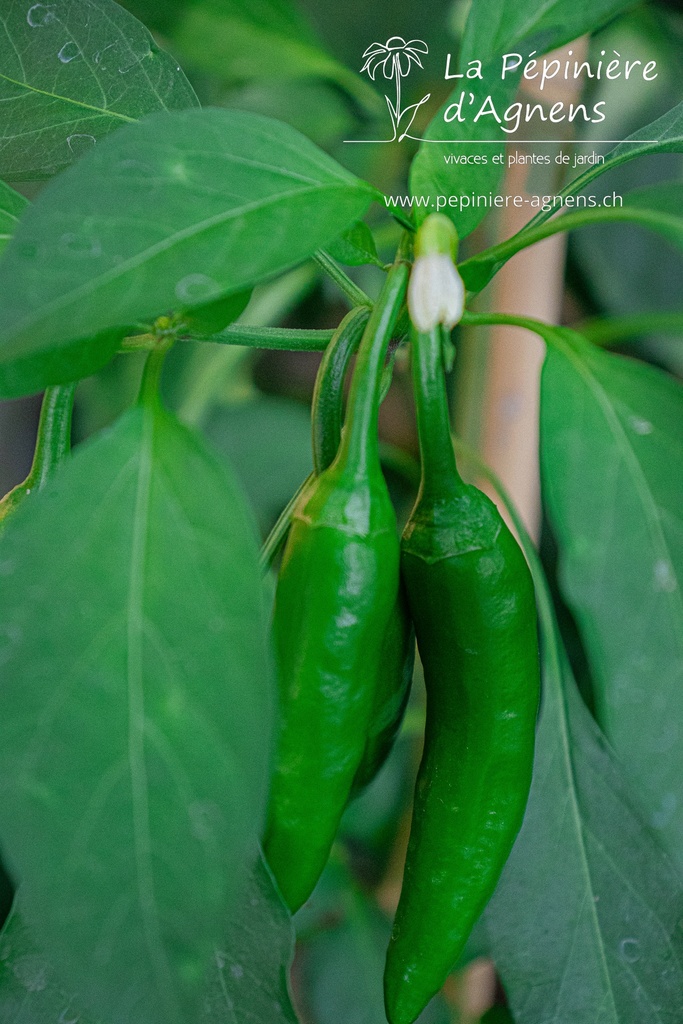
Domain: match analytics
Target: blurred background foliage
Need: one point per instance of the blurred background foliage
(300, 64)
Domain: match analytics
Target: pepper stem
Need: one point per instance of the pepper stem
(359, 447)
(439, 470)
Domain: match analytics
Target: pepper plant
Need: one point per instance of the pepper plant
(148, 757)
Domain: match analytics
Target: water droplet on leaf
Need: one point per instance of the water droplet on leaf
(197, 288)
(41, 14)
(664, 576)
(630, 950)
(80, 245)
(640, 426)
(69, 52)
(80, 144)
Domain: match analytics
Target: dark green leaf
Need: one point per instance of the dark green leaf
(247, 979)
(174, 212)
(343, 965)
(204, 321)
(498, 1015)
(72, 71)
(251, 966)
(135, 710)
(355, 247)
(241, 40)
(658, 207)
(270, 473)
(498, 26)
(612, 437)
(586, 924)
(12, 205)
(431, 176)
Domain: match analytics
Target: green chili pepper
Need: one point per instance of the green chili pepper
(472, 601)
(392, 686)
(335, 594)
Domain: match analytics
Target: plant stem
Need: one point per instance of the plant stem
(613, 330)
(439, 470)
(151, 377)
(53, 444)
(356, 295)
(360, 443)
(284, 338)
(278, 534)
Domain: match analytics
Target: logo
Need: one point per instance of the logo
(395, 58)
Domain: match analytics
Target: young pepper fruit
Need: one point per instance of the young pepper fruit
(335, 595)
(472, 601)
(392, 686)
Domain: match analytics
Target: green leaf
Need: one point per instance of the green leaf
(205, 321)
(247, 979)
(175, 212)
(586, 924)
(355, 247)
(71, 72)
(243, 40)
(431, 176)
(12, 205)
(249, 982)
(612, 437)
(665, 135)
(343, 965)
(269, 473)
(136, 707)
(615, 329)
(495, 27)
(498, 26)
(657, 207)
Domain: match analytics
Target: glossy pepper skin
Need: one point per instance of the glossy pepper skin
(472, 601)
(335, 594)
(392, 686)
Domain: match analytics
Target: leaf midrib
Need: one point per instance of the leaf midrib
(136, 718)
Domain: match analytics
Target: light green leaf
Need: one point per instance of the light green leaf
(135, 707)
(665, 135)
(657, 207)
(614, 329)
(586, 923)
(503, 26)
(242, 40)
(355, 247)
(612, 437)
(12, 205)
(174, 212)
(247, 977)
(71, 71)
(431, 176)
(494, 28)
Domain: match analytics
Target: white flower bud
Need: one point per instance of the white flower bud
(436, 293)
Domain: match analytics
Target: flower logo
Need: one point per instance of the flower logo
(396, 58)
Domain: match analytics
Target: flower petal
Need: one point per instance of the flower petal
(374, 48)
(413, 57)
(417, 44)
(436, 293)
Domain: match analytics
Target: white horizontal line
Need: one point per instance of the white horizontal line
(499, 142)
